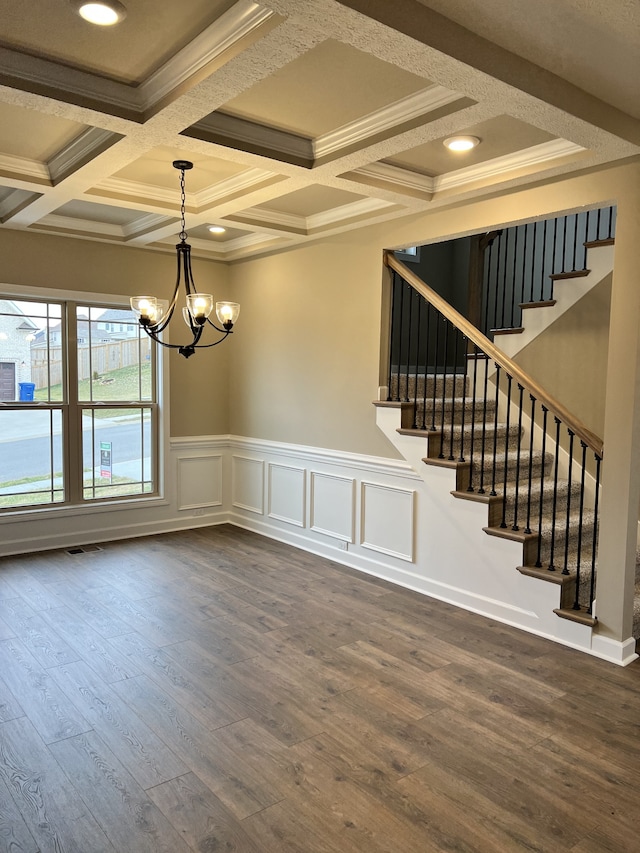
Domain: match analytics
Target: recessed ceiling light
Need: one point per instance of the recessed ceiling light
(104, 13)
(461, 143)
(217, 229)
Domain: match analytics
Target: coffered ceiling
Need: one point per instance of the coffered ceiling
(303, 118)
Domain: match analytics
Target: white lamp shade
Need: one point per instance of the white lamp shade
(200, 305)
(144, 307)
(227, 313)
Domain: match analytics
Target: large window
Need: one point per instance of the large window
(78, 404)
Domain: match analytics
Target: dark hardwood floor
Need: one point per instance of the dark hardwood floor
(216, 691)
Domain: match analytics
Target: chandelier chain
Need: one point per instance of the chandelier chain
(183, 233)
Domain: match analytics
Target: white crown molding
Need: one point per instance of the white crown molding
(527, 157)
(533, 156)
(15, 201)
(306, 224)
(244, 17)
(230, 186)
(87, 226)
(118, 187)
(239, 21)
(88, 144)
(220, 124)
(387, 118)
(27, 169)
(265, 216)
(48, 75)
(398, 176)
(144, 224)
(247, 241)
(346, 211)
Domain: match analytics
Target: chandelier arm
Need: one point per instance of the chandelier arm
(213, 344)
(217, 328)
(162, 343)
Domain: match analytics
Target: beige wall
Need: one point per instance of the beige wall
(570, 357)
(198, 400)
(306, 368)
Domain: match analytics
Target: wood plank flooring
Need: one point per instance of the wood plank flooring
(213, 690)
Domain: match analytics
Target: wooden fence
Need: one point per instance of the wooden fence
(100, 358)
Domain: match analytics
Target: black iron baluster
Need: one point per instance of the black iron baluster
(426, 364)
(503, 523)
(454, 390)
(576, 603)
(487, 287)
(545, 412)
(411, 293)
(393, 335)
(504, 278)
(564, 243)
(473, 416)
(594, 548)
(444, 385)
(517, 495)
(495, 433)
(598, 223)
(610, 229)
(565, 570)
(575, 241)
(481, 489)
(586, 239)
(417, 359)
(543, 274)
(552, 567)
(512, 322)
(534, 249)
(464, 396)
(435, 370)
(529, 482)
(497, 279)
(524, 262)
(555, 243)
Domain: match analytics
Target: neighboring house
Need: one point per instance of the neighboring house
(16, 333)
(119, 323)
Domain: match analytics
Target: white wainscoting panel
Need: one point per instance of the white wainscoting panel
(333, 505)
(287, 493)
(388, 520)
(247, 483)
(199, 481)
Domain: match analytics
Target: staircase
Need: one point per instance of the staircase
(509, 445)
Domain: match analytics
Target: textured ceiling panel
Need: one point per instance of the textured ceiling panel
(152, 32)
(329, 86)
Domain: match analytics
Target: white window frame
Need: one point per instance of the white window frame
(44, 294)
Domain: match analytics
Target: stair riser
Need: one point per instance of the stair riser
(414, 387)
(427, 414)
(463, 447)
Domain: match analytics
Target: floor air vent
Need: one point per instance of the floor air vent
(83, 549)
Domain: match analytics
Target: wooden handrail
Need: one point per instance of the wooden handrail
(490, 349)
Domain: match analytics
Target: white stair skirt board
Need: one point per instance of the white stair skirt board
(457, 562)
(566, 293)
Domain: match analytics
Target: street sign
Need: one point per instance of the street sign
(105, 460)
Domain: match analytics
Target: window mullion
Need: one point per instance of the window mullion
(73, 432)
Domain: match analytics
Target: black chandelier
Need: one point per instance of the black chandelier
(155, 314)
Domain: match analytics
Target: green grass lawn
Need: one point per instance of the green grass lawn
(124, 385)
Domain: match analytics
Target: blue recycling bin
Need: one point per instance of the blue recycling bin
(26, 390)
